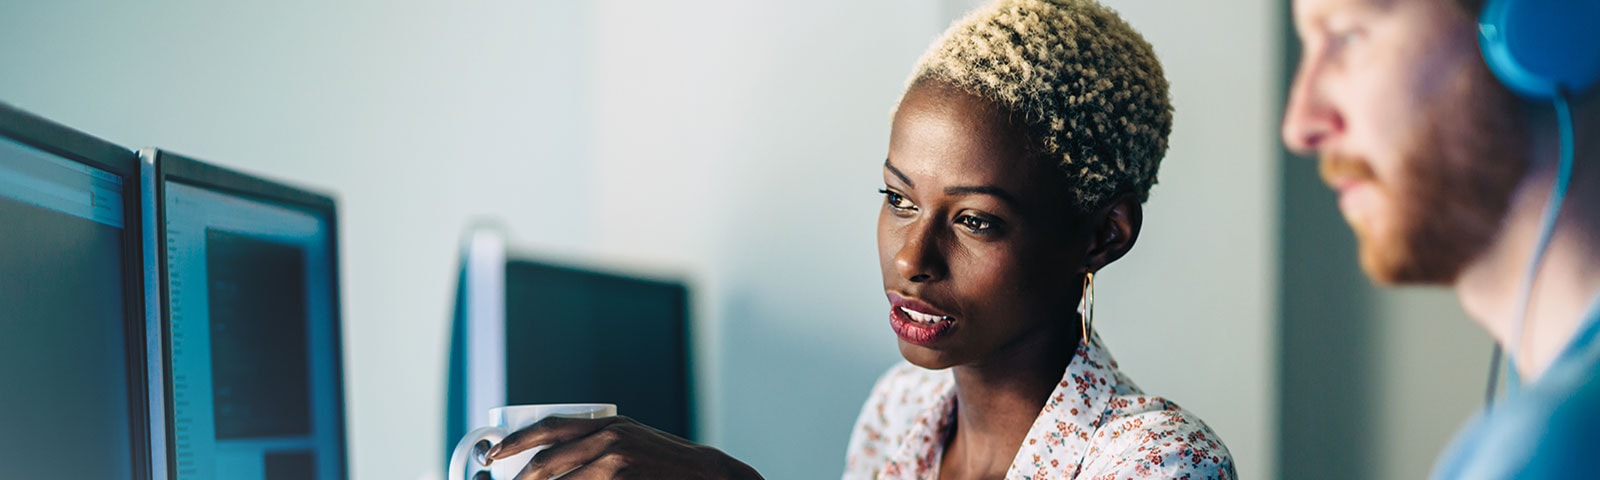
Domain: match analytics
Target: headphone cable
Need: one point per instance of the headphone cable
(1558, 195)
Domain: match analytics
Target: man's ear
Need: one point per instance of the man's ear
(1114, 230)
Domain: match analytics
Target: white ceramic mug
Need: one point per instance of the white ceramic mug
(471, 452)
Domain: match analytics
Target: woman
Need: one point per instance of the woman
(1019, 156)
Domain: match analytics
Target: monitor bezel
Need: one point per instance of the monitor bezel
(74, 145)
(163, 166)
(485, 356)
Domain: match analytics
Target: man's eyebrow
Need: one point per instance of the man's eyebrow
(897, 173)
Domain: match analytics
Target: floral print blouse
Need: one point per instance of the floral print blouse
(1097, 425)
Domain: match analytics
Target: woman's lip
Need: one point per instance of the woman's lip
(900, 301)
(913, 331)
(919, 333)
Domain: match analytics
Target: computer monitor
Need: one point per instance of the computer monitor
(74, 402)
(528, 331)
(249, 304)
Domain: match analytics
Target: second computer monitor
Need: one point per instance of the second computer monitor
(250, 306)
(528, 331)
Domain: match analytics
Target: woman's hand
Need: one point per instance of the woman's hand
(615, 447)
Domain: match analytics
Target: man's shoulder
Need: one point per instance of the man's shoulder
(1545, 431)
(1559, 425)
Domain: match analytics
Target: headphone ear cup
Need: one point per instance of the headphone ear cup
(1538, 46)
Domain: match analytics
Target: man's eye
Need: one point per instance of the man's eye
(896, 200)
(1344, 38)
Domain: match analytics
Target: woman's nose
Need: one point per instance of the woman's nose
(920, 259)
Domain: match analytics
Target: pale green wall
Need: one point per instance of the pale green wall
(736, 141)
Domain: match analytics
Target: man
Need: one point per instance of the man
(1444, 175)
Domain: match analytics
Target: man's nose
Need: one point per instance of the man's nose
(1310, 120)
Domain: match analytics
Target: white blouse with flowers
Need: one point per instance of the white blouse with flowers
(1096, 425)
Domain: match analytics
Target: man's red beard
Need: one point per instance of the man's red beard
(1453, 188)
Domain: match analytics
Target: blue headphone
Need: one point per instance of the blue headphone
(1537, 47)
(1544, 50)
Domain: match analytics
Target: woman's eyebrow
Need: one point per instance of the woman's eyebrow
(897, 173)
(992, 191)
(989, 190)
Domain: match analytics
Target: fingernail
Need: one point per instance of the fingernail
(493, 451)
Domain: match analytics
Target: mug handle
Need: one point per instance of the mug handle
(472, 450)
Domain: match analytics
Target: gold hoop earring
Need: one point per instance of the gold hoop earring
(1087, 315)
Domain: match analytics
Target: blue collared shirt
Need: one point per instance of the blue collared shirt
(1547, 429)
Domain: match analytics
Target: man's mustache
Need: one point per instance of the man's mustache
(1336, 167)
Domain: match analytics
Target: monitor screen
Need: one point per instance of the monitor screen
(70, 379)
(527, 331)
(580, 336)
(252, 336)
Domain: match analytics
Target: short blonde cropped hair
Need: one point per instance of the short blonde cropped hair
(1084, 86)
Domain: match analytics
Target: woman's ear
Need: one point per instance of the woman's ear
(1115, 229)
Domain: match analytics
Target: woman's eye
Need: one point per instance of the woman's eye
(896, 200)
(976, 224)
